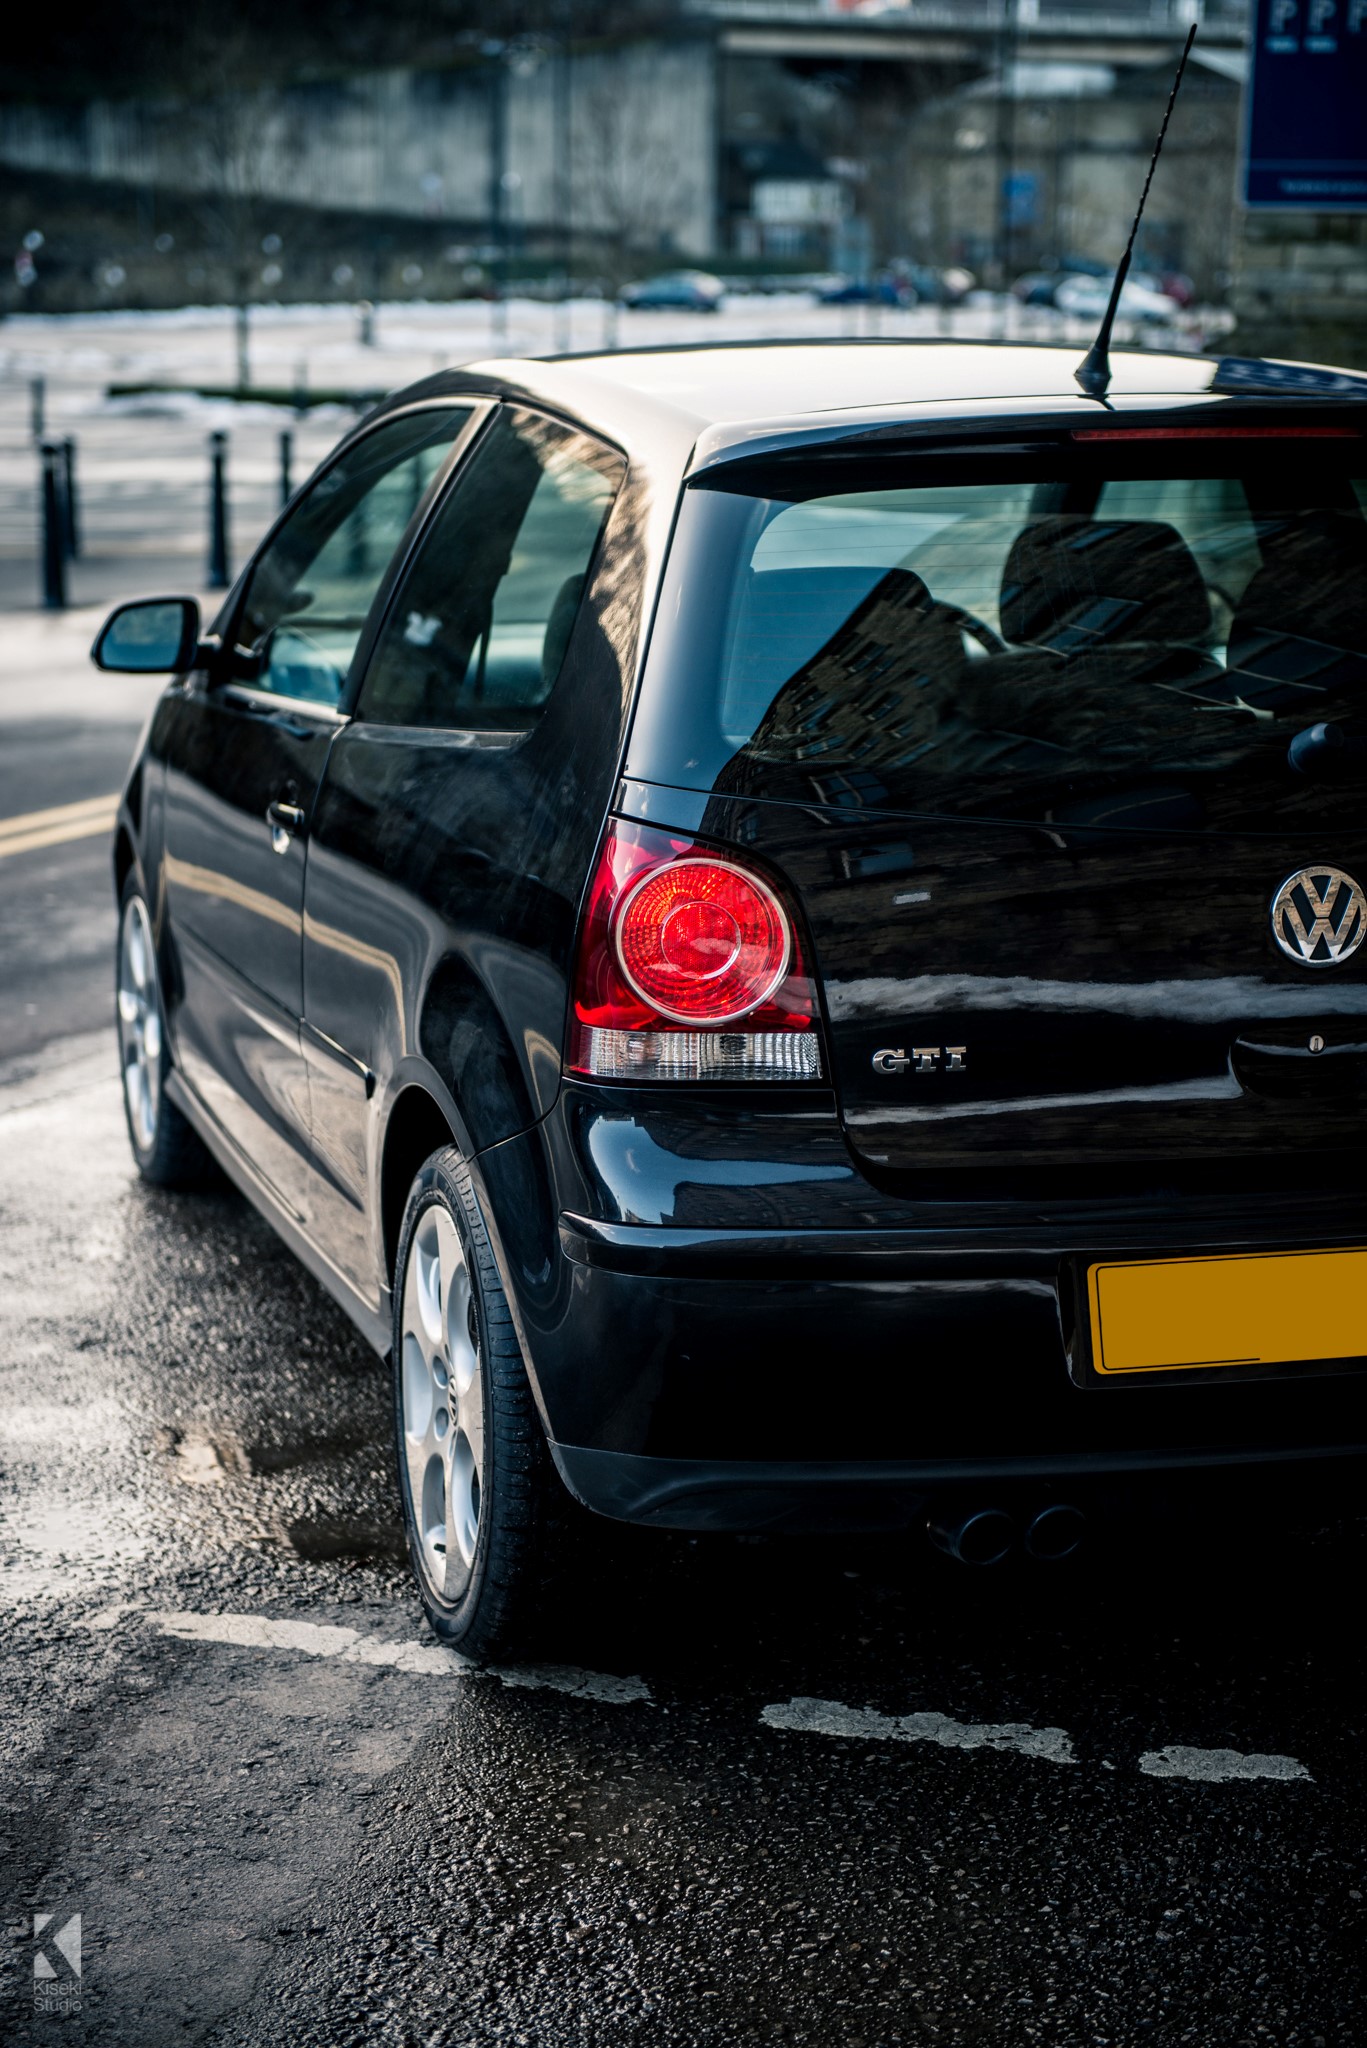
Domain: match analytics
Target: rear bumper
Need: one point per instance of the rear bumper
(742, 1378)
(808, 1497)
(728, 1326)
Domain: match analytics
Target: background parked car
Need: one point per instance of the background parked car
(921, 284)
(1086, 299)
(902, 283)
(685, 291)
(838, 290)
(1084, 293)
(1037, 287)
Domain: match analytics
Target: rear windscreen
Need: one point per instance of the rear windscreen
(1013, 642)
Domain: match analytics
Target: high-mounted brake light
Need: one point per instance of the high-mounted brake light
(689, 969)
(1249, 433)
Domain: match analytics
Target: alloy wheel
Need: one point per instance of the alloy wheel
(442, 1398)
(139, 1011)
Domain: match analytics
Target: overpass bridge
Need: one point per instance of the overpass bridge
(1052, 31)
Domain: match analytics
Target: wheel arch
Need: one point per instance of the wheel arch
(417, 1127)
(125, 859)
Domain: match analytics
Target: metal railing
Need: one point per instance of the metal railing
(1227, 20)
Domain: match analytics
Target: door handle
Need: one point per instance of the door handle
(1303, 1067)
(284, 819)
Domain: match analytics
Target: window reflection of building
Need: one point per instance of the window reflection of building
(878, 692)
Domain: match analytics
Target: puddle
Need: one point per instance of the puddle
(322, 1538)
(199, 1459)
(266, 1457)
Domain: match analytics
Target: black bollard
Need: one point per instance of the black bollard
(71, 511)
(37, 400)
(219, 577)
(51, 538)
(286, 464)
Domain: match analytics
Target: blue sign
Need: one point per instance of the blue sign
(1020, 192)
(1305, 114)
(1244, 374)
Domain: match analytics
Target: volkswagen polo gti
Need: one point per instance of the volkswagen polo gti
(783, 927)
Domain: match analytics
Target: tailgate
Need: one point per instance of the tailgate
(1066, 762)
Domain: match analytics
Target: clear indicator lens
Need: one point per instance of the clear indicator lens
(699, 1055)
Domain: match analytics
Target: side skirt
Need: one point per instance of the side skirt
(375, 1328)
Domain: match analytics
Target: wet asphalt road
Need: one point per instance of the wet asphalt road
(291, 1836)
(284, 1817)
(67, 736)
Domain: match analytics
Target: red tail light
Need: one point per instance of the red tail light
(689, 968)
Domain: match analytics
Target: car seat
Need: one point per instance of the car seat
(1298, 640)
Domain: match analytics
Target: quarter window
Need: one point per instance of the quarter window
(477, 634)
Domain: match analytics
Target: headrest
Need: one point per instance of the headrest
(1071, 582)
(1312, 584)
(559, 626)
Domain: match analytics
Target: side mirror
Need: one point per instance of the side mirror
(152, 636)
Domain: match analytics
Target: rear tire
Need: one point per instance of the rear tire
(166, 1149)
(475, 1477)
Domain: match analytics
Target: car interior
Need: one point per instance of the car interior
(1105, 637)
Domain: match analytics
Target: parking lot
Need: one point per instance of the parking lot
(825, 1791)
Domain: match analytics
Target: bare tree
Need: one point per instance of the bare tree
(636, 183)
(241, 148)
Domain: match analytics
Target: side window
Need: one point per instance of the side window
(309, 593)
(476, 636)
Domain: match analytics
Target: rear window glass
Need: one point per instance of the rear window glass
(1005, 645)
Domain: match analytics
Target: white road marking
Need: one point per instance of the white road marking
(1218, 1766)
(428, 1660)
(582, 1685)
(802, 1715)
(107, 1618)
(829, 1717)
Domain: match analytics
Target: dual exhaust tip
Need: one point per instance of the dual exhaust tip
(987, 1535)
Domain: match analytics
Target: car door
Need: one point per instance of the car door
(244, 757)
(481, 755)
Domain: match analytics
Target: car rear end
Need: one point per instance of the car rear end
(966, 1072)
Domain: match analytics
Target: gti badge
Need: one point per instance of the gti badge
(1319, 917)
(922, 1059)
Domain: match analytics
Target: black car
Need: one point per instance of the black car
(783, 927)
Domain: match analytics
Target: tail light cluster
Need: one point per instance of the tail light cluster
(689, 969)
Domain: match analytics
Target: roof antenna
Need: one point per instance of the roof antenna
(1093, 373)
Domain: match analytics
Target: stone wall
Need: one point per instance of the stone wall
(1300, 288)
(642, 159)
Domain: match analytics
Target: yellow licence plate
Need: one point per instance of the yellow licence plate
(1273, 1308)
